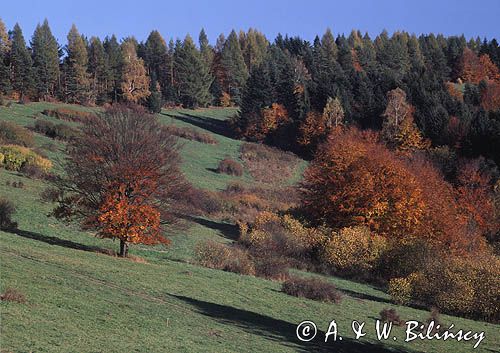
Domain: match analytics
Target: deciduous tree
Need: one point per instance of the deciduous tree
(121, 177)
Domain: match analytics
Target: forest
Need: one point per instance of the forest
(398, 136)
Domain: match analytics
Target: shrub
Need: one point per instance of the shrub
(353, 251)
(59, 131)
(191, 134)
(400, 290)
(33, 171)
(68, 114)
(272, 267)
(391, 316)
(267, 164)
(222, 257)
(14, 134)
(7, 209)
(231, 167)
(13, 295)
(311, 288)
(15, 157)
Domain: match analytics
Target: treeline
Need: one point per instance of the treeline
(286, 89)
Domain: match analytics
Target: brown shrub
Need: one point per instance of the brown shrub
(222, 257)
(311, 288)
(13, 295)
(230, 167)
(55, 131)
(7, 209)
(13, 134)
(68, 114)
(391, 316)
(272, 267)
(191, 134)
(267, 164)
(33, 171)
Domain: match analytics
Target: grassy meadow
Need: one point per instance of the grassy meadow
(78, 299)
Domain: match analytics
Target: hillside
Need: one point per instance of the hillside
(80, 299)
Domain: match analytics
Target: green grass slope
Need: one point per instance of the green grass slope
(79, 300)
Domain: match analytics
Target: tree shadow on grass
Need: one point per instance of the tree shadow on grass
(228, 230)
(60, 242)
(216, 126)
(279, 330)
(364, 296)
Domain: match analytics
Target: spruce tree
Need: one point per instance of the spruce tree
(236, 72)
(21, 63)
(76, 76)
(114, 56)
(206, 50)
(155, 52)
(5, 86)
(100, 75)
(193, 75)
(45, 61)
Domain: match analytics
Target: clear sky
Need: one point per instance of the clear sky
(176, 18)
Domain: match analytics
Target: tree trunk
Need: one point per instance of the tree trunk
(123, 248)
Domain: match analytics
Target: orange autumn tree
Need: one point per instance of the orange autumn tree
(122, 177)
(474, 69)
(271, 119)
(356, 180)
(399, 129)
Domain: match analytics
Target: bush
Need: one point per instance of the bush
(16, 157)
(391, 316)
(33, 171)
(68, 114)
(13, 295)
(191, 134)
(311, 288)
(267, 164)
(14, 134)
(272, 267)
(7, 209)
(222, 257)
(353, 251)
(59, 131)
(230, 167)
(466, 286)
(400, 290)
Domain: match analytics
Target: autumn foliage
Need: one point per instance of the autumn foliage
(355, 180)
(122, 177)
(474, 69)
(272, 118)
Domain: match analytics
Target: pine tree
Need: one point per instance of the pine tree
(134, 82)
(76, 75)
(155, 100)
(100, 75)
(236, 72)
(21, 63)
(115, 61)
(5, 86)
(206, 50)
(194, 78)
(45, 61)
(155, 52)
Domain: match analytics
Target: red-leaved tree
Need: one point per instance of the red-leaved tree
(122, 177)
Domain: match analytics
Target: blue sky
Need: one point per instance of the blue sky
(305, 17)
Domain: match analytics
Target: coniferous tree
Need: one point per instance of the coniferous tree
(100, 75)
(77, 80)
(45, 60)
(193, 75)
(155, 52)
(236, 72)
(20, 63)
(155, 100)
(5, 86)
(115, 61)
(206, 50)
